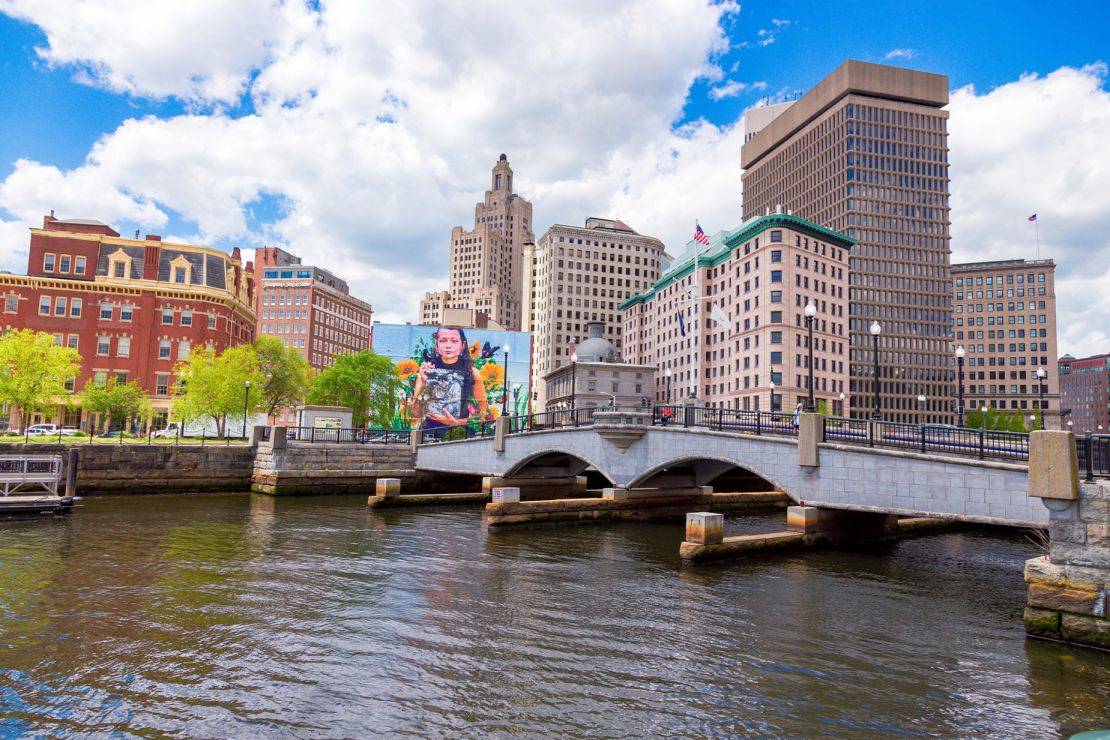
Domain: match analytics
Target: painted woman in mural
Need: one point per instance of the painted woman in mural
(449, 389)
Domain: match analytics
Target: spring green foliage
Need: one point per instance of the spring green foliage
(120, 401)
(823, 408)
(996, 420)
(214, 387)
(364, 382)
(34, 370)
(285, 374)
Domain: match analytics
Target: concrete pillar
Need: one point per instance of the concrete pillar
(705, 528)
(500, 429)
(416, 436)
(506, 495)
(256, 435)
(1053, 467)
(614, 494)
(811, 432)
(278, 438)
(387, 487)
(539, 488)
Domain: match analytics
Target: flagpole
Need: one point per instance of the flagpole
(1037, 231)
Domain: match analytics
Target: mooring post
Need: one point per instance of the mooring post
(71, 472)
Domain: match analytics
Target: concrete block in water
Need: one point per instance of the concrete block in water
(506, 495)
(705, 528)
(387, 487)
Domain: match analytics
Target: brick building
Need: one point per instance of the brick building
(758, 278)
(309, 308)
(132, 308)
(1085, 393)
(1004, 315)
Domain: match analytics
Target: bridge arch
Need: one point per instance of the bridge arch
(555, 462)
(702, 470)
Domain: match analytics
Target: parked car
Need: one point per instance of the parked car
(42, 430)
(115, 434)
(69, 432)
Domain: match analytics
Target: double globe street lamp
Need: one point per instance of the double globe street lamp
(667, 373)
(876, 329)
(960, 386)
(1041, 375)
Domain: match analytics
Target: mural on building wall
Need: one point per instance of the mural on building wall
(452, 376)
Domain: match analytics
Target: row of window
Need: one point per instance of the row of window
(63, 264)
(991, 280)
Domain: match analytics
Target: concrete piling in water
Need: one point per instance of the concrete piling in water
(705, 527)
(72, 457)
(506, 495)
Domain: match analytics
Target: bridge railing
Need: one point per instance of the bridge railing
(1093, 451)
(553, 420)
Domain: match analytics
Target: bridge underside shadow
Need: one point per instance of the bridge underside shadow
(721, 476)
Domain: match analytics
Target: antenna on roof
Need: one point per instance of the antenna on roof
(136, 233)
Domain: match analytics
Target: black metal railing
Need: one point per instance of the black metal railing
(558, 419)
(1093, 451)
(458, 432)
(351, 436)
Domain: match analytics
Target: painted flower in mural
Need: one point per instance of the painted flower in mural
(406, 369)
(475, 350)
(492, 375)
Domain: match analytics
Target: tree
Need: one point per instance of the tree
(120, 401)
(214, 387)
(823, 408)
(364, 382)
(285, 374)
(34, 370)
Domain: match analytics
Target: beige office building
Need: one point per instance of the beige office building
(486, 274)
(581, 274)
(1004, 316)
(865, 153)
(742, 341)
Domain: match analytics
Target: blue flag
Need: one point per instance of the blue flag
(681, 324)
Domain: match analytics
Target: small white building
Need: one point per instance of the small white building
(596, 377)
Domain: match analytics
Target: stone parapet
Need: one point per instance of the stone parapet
(330, 468)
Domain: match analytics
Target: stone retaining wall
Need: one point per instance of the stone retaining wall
(140, 468)
(1069, 590)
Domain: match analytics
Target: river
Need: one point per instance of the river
(233, 616)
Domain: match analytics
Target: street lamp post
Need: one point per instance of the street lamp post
(810, 311)
(1041, 375)
(573, 378)
(960, 386)
(516, 396)
(772, 396)
(505, 385)
(667, 374)
(876, 329)
(841, 412)
(246, 400)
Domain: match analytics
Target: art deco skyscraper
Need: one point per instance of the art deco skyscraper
(865, 153)
(486, 260)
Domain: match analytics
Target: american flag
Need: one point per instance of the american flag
(699, 235)
(1033, 217)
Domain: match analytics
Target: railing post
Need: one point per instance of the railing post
(1089, 453)
(758, 423)
(922, 427)
(982, 447)
(871, 433)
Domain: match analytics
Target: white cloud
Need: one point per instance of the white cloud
(732, 88)
(1038, 145)
(901, 54)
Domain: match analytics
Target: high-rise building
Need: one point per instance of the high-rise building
(1004, 314)
(132, 308)
(309, 308)
(580, 274)
(486, 260)
(1085, 393)
(733, 332)
(865, 153)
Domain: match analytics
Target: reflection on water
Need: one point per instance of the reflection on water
(234, 615)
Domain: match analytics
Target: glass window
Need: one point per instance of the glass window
(776, 317)
(776, 296)
(161, 385)
(63, 263)
(183, 350)
(164, 349)
(776, 237)
(186, 317)
(79, 265)
(776, 337)
(44, 305)
(71, 341)
(100, 377)
(48, 262)
(776, 255)
(103, 345)
(125, 312)
(167, 315)
(75, 308)
(776, 276)
(123, 347)
(105, 311)
(211, 321)
(776, 358)
(119, 269)
(11, 303)
(179, 274)
(60, 306)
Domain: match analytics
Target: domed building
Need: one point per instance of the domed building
(597, 377)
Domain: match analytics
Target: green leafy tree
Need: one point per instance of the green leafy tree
(285, 374)
(823, 408)
(120, 401)
(34, 371)
(214, 387)
(364, 382)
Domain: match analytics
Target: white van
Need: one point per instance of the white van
(42, 430)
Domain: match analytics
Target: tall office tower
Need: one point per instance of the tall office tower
(581, 274)
(1005, 315)
(309, 308)
(486, 261)
(865, 153)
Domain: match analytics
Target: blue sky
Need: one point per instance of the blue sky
(358, 134)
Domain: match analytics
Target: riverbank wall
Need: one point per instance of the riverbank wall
(138, 468)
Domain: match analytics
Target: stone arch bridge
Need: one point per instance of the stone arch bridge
(638, 458)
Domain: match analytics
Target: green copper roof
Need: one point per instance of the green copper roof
(722, 244)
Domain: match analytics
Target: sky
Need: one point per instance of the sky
(357, 133)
